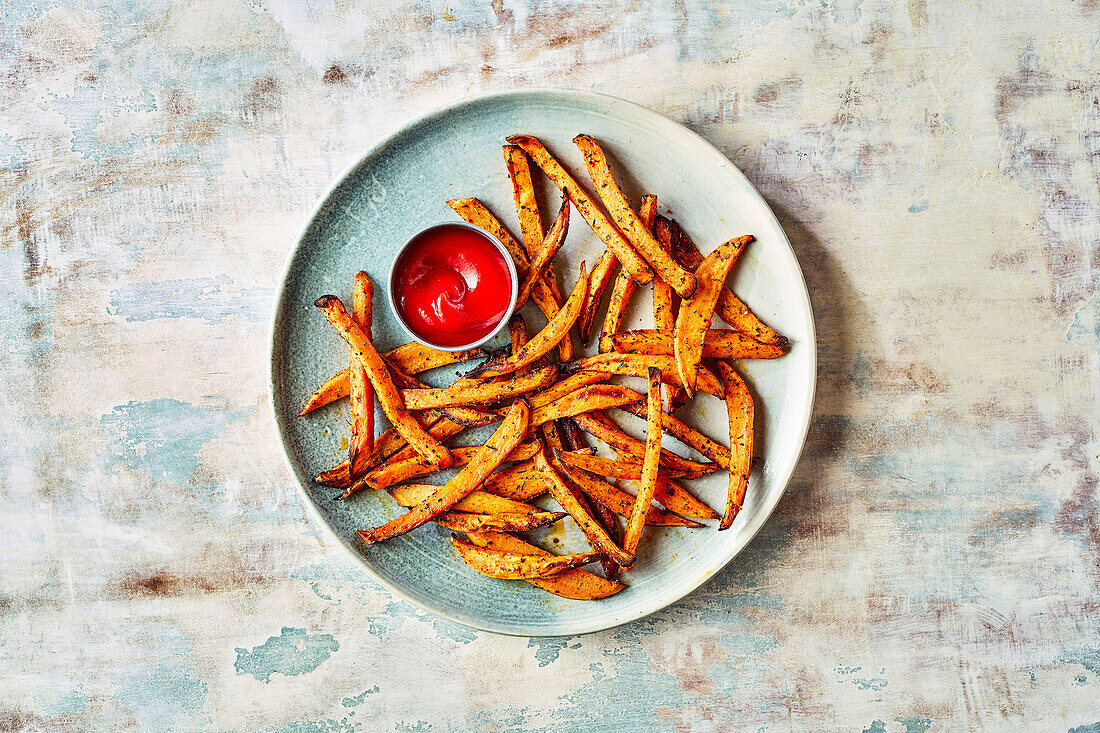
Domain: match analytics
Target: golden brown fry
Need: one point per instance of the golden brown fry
(596, 218)
(740, 407)
(468, 416)
(477, 502)
(394, 472)
(695, 314)
(523, 192)
(729, 308)
(577, 584)
(471, 392)
(621, 502)
(637, 232)
(718, 343)
(647, 486)
(486, 460)
(635, 365)
(412, 358)
(664, 317)
(507, 566)
(361, 443)
(596, 534)
(625, 285)
(334, 388)
(597, 283)
(671, 494)
(541, 343)
(574, 440)
(688, 435)
(570, 384)
(387, 445)
(600, 426)
(585, 399)
(387, 393)
(462, 522)
(474, 212)
(520, 482)
(627, 467)
(545, 255)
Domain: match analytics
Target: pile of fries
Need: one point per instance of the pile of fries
(546, 406)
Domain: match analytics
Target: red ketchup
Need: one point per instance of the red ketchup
(452, 286)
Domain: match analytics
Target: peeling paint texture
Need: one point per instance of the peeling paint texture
(935, 564)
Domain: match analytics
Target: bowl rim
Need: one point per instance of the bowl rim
(509, 262)
(582, 96)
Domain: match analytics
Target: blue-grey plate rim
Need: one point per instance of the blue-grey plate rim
(659, 120)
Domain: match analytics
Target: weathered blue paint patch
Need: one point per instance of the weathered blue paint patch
(876, 726)
(420, 726)
(350, 702)
(161, 438)
(68, 702)
(1085, 328)
(292, 652)
(919, 207)
(210, 299)
(870, 683)
(162, 691)
(547, 649)
(915, 725)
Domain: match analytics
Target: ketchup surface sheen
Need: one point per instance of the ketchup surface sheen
(452, 286)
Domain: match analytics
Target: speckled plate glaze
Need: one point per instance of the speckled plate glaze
(401, 186)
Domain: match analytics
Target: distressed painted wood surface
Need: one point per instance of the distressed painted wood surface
(935, 564)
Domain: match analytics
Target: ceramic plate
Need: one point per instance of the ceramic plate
(400, 187)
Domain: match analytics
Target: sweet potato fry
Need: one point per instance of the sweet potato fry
(545, 255)
(598, 281)
(463, 522)
(624, 287)
(717, 344)
(635, 365)
(387, 393)
(671, 494)
(541, 343)
(596, 218)
(570, 384)
(740, 407)
(520, 482)
(624, 468)
(361, 443)
(585, 399)
(573, 440)
(664, 315)
(596, 534)
(391, 446)
(468, 416)
(695, 314)
(688, 435)
(576, 584)
(647, 486)
(629, 223)
(405, 469)
(412, 358)
(507, 566)
(334, 388)
(470, 392)
(477, 502)
(488, 457)
(523, 193)
(475, 212)
(621, 502)
(729, 308)
(597, 425)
